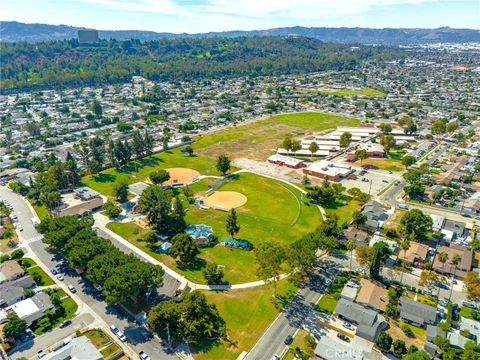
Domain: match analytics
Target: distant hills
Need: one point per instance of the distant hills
(12, 31)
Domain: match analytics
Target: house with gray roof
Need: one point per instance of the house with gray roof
(416, 313)
(369, 322)
(376, 215)
(432, 331)
(472, 326)
(10, 294)
(80, 348)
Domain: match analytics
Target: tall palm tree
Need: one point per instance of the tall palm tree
(455, 261)
(442, 257)
(351, 245)
(404, 245)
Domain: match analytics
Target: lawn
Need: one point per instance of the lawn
(129, 231)
(110, 350)
(258, 139)
(70, 307)
(367, 92)
(246, 320)
(98, 337)
(139, 170)
(395, 330)
(274, 211)
(327, 303)
(344, 212)
(300, 341)
(387, 164)
(467, 312)
(46, 280)
(41, 210)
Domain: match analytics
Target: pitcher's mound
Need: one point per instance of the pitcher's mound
(225, 200)
(181, 176)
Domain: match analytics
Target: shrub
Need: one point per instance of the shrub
(17, 254)
(407, 330)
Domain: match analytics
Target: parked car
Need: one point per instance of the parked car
(275, 357)
(428, 292)
(41, 354)
(121, 336)
(469, 304)
(441, 285)
(98, 287)
(65, 323)
(60, 277)
(343, 337)
(347, 325)
(441, 313)
(54, 271)
(443, 302)
(72, 288)
(114, 329)
(288, 340)
(143, 355)
(403, 206)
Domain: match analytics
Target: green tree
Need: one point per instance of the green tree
(155, 203)
(386, 128)
(159, 176)
(415, 224)
(404, 245)
(358, 218)
(213, 274)
(296, 145)
(97, 108)
(111, 209)
(415, 190)
(443, 258)
(381, 251)
(184, 247)
(408, 160)
(384, 341)
(270, 256)
(361, 155)
(231, 224)
(313, 148)
(15, 327)
(417, 355)
(188, 193)
(388, 142)
(439, 127)
(301, 256)
(345, 139)
(223, 164)
(189, 150)
(16, 254)
(287, 144)
(399, 347)
(120, 191)
(150, 237)
(351, 245)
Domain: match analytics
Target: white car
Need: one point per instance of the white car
(121, 336)
(144, 356)
(60, 277)
(114, 329)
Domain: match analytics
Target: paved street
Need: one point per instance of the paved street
(31, 347)
(294, 315)
(139, 338)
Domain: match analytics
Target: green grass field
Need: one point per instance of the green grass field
(274, 212)
(139, 170)
(344, 212)
(315, 121)
(246, 320)
(367, 92)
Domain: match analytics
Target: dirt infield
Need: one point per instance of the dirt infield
(181, 176)
(225, 200)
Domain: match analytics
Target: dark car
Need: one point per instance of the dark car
(343, 337)
(288, 340)
(65, 323)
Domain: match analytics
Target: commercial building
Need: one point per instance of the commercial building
(325, 169)
(287, 161)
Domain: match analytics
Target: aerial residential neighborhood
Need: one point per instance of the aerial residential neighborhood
(221, 194)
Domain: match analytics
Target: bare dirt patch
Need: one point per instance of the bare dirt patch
(225, 200)
(181, 176)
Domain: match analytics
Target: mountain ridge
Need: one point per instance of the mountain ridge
(13, 31)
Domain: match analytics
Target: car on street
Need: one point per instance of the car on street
(65, 323)
(72, 288)
(347, 325)
(41, 354)
(143, 355)
(403, 206)
(114, 329)
(441, 285)
(288, 340)
(343, 337)
(428, 292)
(98, 287)
(443, 302)
(121, 336)
(54, 271)
(469, 304)
(275, 357)
(360, 270)
(60, 277)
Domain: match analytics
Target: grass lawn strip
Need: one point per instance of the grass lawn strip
(70, 307)
(46, 280)
(246, 320)
(98, 337)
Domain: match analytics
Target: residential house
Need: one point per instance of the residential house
(462, 268)
(416, 251)
(33, 308)
(433, 331)
(10, 270)
(376, 215)
(369, 322)
(437, 222)
(330, 349)
(457, 340)
(472, 326)
(82, 201)
(349, 293)
(416, 313)
(372, 294)
(353, 233)
(452, 230)
(79, 348)
(10, 294)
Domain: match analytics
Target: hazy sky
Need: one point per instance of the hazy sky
(219, 15)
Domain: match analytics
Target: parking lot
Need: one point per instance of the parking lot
(370, 181)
